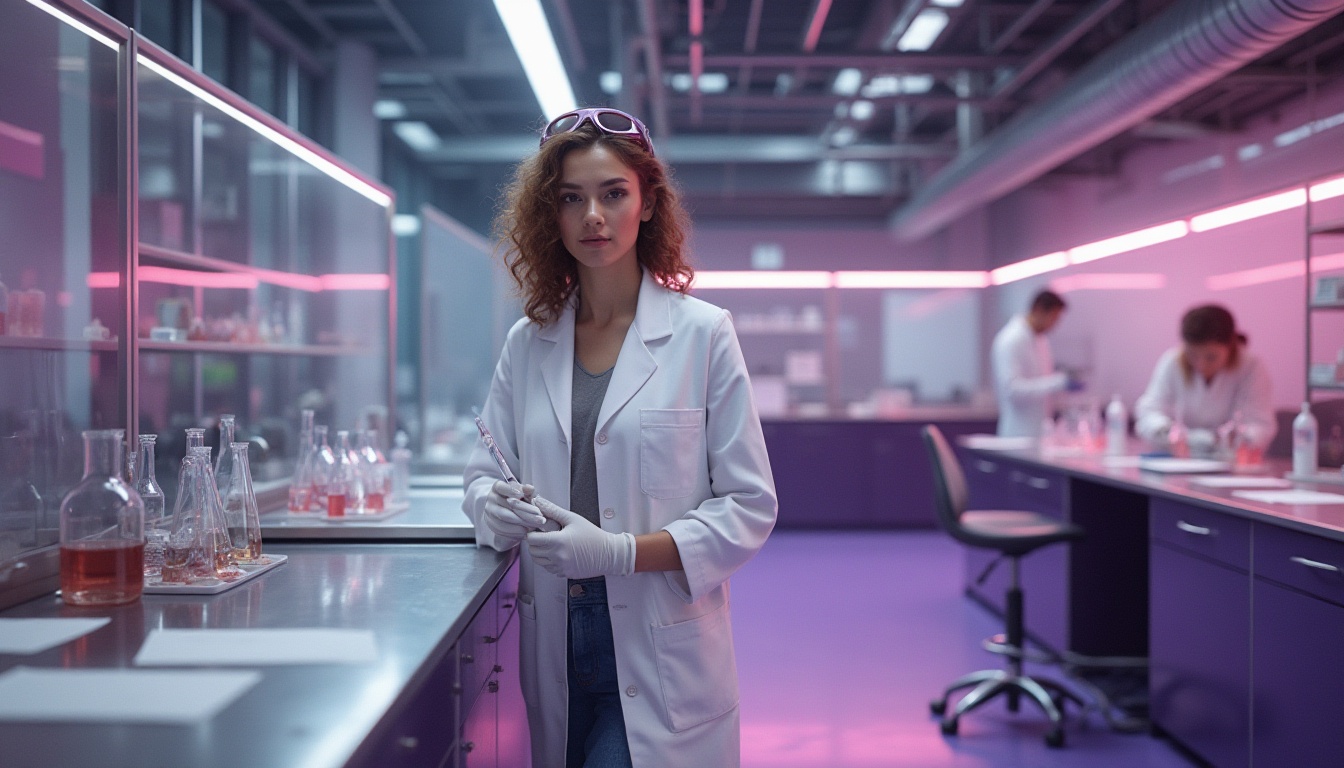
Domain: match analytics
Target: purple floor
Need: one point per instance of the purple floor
(842, 639)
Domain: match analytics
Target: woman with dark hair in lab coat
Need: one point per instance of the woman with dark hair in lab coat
(624, 408)
(1205, 384)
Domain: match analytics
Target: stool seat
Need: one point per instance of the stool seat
(1013, 531)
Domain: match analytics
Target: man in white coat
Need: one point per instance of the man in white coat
(1025, 379)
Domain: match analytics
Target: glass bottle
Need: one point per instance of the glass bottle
(401, 469)
(102, 529)
(345, 491)
(240, 508)
(195, 438)
(224, 461)
(301, 484)
(156, 525)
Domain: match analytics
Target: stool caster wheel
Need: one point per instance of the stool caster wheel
(938, 706)
(949, 727)
(1055, 739)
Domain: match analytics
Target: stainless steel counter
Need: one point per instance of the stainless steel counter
(417, 599)
(435, 515)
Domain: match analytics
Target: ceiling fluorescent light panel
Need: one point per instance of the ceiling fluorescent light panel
(923, 31)
(531, 36)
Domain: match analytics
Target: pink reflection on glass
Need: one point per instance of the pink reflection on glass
(104, 280)
(1284, 270)
(1135, 281)
(196, 279)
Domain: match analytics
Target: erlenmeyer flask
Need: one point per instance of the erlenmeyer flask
(240, 509)
(224, 461)
(324, 466)
(190, 552)
(374, 469)
(156, 525)
(345, 492)
(195, 438)
(301, 484)
(226, 566)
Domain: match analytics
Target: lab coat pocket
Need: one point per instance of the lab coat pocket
(671, 450)
(697, 669)
(527, 657)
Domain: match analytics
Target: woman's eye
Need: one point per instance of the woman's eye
(569, 197)
(616, 194)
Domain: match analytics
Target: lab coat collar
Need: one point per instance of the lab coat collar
(634, 366)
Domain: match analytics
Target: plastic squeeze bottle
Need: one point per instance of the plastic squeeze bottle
(1305, 433)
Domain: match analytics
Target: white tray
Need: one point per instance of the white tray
(1183, 466)
(215, 586)
(360, 517)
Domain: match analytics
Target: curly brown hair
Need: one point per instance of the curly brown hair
(529, 233)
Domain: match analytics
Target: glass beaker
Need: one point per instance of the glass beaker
(102, 529)
(156, 525)
(240, 508)
(324, 466)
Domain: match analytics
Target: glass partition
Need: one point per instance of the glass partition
(264, 273)
(62, 304)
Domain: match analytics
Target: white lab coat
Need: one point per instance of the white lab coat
(1207, 405)
(1025, 379)
(679, 448)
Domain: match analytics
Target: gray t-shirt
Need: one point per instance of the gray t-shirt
(589, 390)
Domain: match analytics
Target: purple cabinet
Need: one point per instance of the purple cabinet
(1298, 649)
(1200, 654)
(855, 474)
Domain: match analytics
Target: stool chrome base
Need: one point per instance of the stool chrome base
(989, 683)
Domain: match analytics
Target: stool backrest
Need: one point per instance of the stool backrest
(949, 484)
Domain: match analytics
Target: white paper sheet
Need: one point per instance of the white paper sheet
(1240, 481)
(1121, 461)
(996, 443)
(175, 697)
(1295, 496)
(37, 635)
(250, 647)
(1179, 466)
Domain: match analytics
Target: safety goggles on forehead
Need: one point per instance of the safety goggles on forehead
(612, 122)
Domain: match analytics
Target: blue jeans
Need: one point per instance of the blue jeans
(596, 724)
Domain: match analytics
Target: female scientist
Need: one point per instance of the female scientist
(1206, 382)
(625, 409)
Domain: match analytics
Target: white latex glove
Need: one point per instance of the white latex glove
(507, 512)
(579, 550)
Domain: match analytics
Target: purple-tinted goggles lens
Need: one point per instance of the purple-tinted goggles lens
(610, 121)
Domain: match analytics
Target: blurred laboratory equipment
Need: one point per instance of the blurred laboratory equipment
(1117, 426)
(324, 468)
(156, 525)
(102, 529)
(377, 474)
(240, 507)
(345, 492)
(401, 469)
(1306, 441)
(224, 461)
(301, 483)
(21, 506)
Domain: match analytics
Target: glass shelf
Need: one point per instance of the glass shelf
(233, 348)
(62, 345)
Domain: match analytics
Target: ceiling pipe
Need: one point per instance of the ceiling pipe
(653, 68)
(1188, 47)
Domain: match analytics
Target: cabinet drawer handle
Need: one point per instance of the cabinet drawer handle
(1198, 530)
(1038, 482)
(1315, 564)
(988, 467)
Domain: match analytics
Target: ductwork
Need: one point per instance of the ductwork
(1185, 49)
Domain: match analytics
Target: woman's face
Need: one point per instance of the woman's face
(601, 207)
(1209, 358)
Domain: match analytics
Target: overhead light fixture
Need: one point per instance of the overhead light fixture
(819, 12)
(405, 225)
(1130, 241)
(946, 3)
(923, 31)
(912, 279)
(783, 84)
(714, 82)
(1251, 209)
(680, 81)
(744, 279)
(417, 135)
(610, 82)
(1327, 189)
(1029, 268)
(862, 110)
(286, 143)
(843, 136)
(531, 36)
(1095, 281)
(847, 82)
(389, 109)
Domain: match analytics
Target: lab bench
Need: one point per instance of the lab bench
(860, 473)
(435, 514)
(1238, 604)
(444, 690)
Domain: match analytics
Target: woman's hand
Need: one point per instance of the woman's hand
(579, 550)
(508, 514)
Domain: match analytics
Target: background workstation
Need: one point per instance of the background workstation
(869, 209)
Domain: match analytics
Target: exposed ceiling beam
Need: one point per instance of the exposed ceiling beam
(403, 27)
(312, 19)
(1019, 25)
(697, 149)
(653, 67)
(1047, 53)
(892, 63)
(827, 104)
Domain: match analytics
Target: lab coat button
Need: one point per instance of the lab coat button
(608, 513)
(601, 438)
(632, 691)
